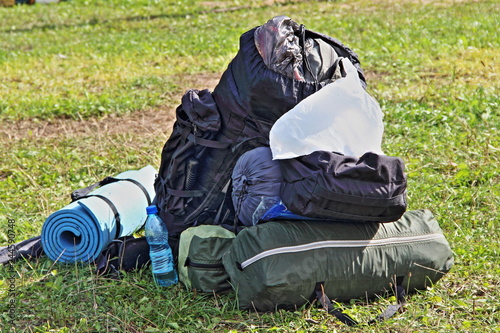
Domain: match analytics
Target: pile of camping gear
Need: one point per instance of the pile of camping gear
(274, 185)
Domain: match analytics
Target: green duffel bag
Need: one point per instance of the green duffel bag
(282, 264)
(200, 258)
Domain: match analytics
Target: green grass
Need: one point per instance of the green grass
(88, 89)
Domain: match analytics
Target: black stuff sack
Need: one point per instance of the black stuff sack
(327, 185)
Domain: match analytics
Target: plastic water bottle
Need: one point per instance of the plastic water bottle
(160, 252)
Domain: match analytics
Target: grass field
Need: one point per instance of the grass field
(89, 88)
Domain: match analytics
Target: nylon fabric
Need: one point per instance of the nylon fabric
(326, 185)
(288, 280)
(200, 258)
(255, 176)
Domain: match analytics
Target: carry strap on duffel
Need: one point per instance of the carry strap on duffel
(281, 264)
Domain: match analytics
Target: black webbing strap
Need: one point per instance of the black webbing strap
(354, 217)
(80, 193)
(328, 306)
(113, 209)
(84, 193)
(208, 143)
(219, 218)
(143, 189)
(393, 308)
(185, 193)
(346, 319)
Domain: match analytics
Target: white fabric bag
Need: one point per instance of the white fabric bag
(341, 117)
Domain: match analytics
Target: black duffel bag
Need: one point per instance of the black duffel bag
(327, 185)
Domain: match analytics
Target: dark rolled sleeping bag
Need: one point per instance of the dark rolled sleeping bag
(255, 176)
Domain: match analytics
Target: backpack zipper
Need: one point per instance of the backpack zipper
(340, 244)
(190, 263)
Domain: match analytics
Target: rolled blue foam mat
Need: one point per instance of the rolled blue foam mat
(82, 229)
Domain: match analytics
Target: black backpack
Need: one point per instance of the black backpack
(212, 130)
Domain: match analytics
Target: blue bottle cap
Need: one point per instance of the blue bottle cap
(152, 209)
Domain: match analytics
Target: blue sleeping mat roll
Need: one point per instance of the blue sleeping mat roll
(82, 229)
